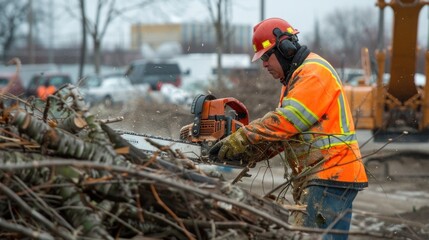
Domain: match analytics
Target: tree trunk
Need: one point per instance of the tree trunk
(97, 56)
(30, 33)
(220, 43)
(83, 44)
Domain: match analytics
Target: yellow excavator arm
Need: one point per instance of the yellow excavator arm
(398, 105)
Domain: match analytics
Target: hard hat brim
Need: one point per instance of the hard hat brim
(261, 52)
(258, 55)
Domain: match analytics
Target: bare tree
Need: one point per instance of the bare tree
(220, 16)
(106, 12)
(12, 16)
(37, 17)
(316, 43)
(346, 31)
(83, 44)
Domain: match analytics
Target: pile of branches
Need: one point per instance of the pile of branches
(66, 175)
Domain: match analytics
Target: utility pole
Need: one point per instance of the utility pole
(30, 32)
(51, 32)
(83, 43)
(262, 9)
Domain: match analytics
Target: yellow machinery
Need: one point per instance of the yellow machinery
(390, 108)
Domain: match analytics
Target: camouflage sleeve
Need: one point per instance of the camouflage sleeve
(273, 127)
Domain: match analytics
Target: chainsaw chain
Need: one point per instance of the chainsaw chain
(155, 137)
(203, 159)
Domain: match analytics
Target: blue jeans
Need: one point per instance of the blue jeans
(329, 207)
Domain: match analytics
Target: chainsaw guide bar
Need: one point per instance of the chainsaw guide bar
(188, 149)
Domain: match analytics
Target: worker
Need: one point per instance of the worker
(44, 90)
(312, 126)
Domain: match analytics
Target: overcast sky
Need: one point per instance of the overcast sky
(301, 14)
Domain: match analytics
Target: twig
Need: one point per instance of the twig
(117, 219)
(285, 184)
(111, 120)
(5, 225)
(151, 160)
(139, 207)
(172, 214)
(163, 148)
(244, 172)
(227, 235)
(385, 145)
(48, 210)
(163, 219)
(191, 212)
(213, 227)
(36, 215)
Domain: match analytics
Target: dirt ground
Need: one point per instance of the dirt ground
(398, 192)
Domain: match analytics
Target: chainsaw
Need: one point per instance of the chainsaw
(214, 119)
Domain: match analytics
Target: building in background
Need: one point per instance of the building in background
(192, 37)
(165, 40)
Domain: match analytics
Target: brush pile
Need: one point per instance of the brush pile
(66, 175)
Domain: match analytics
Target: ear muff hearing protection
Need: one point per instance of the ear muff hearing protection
(285, 43)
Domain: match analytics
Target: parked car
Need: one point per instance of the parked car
(108, 90)
(51, 79)
(16, 88)
(175, 95)
(154, 73)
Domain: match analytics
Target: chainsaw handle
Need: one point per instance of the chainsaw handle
(197, 109)
(238, 107)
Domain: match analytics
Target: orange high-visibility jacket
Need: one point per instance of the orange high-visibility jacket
(315, 124)
(44, 91)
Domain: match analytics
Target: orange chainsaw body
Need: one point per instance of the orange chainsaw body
(214, 119)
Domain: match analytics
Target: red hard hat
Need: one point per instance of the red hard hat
(264, 38)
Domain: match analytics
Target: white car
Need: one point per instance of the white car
(109, 90)
(175, 95)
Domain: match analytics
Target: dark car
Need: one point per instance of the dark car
(52, 79)
(15, 88)
(154, 73)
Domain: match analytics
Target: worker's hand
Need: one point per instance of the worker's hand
(230, 147)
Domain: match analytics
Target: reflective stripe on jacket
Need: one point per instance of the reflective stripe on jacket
(315, 124)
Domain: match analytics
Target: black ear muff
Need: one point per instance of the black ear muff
(284, 43)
